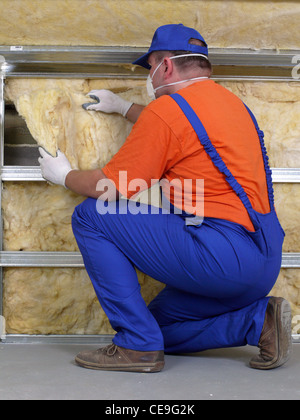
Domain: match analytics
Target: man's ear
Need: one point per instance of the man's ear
(169, 68)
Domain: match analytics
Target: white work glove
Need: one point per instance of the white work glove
(107, 102)
(54, 169)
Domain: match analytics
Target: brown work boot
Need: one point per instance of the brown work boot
(275, 342)
(113, 357)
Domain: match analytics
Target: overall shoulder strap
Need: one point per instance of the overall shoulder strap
(211, 150)
(265, 159)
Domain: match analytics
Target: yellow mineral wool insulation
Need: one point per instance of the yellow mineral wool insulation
(237, 23)
(37, 217)
(40, 229)
(52, 110)
(58, 301)
(14, 88)
(276, 106)
(287, 203)
(288, 286)
(56, 120)
(62, 301)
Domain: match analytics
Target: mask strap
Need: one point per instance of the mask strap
(180, 81)
(179, 56)
(189, 55)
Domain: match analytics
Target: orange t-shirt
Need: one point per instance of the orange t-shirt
(163, 144)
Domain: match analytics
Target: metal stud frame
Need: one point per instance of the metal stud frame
(115, 62)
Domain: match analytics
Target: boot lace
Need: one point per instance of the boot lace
(109, 350)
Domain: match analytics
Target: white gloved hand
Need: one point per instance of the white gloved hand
(107, 102)
(54, 169)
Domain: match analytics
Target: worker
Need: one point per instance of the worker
(218, 258)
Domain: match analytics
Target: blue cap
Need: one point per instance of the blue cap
(174, 37)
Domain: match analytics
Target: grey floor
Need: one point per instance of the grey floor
(47, 372)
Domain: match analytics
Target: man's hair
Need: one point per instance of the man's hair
(184, 63)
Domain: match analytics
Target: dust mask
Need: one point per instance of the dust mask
(150, 89)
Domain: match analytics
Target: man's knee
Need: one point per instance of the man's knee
(94, 213)
(83, 213)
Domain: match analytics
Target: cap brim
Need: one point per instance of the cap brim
(143, 61)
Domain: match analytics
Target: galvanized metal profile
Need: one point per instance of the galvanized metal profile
(33, 173)
(70, 54)
(252, 78)
(75, 260)
(21, 173)
(296, 338)
(290, 260)
(42, 61)
(253, 65)
(70, 62)
(247, 57)
(101, 339)
(2, 109)
(285, 175)
(128, 54)
(41, 259)
(2, 112)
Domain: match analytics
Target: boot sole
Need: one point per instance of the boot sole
(283, 317)
(150, 367)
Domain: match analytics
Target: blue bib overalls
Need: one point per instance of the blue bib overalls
(217, 275)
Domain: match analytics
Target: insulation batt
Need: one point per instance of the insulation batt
(52, 110)
(56, 120)
(235, 24)
(277, 109)
(36, 216)
(58, 301)
(62, 301)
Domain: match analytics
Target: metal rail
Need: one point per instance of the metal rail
(33, 173)
(74, 259)
(96, 340)
(97, 62)
(86, 339)
(285, 175)
(40, 259)
(2, 111)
